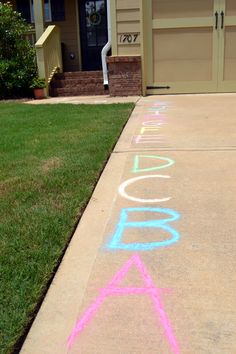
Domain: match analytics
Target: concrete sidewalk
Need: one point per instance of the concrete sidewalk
(85, 100)
(151, 267)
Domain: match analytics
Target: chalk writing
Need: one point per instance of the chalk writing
(160, 118)
(153, 123)
(113, 289)
(160, 104)
(158, 224)
(156, 112)
(131, 220)
(154, 158)
(148, 139)
(157, 107)
(130, 181)
(149, 129)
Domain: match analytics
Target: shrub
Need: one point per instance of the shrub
(38, 82)
(17, 55)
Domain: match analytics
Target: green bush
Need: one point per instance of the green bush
(17, 55)
(38, 82)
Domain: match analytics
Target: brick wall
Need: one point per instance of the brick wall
(81, 83)
(125, 76)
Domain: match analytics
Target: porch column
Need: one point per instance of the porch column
(39, 17)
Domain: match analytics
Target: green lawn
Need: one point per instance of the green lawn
(50, 159)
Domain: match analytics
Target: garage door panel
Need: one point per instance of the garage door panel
(227, 54)
(174, 61)
(230, 8)
(163, 9)
(230, 54)
(172, 70)
(183, 22)
(191, 46)
(183, 46)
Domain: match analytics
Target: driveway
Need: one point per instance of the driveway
(151, 267)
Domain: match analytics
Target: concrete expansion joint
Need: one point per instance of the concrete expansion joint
(215, 149)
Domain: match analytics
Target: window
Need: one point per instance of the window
(47, 11)
(54, 10)
(96, 23)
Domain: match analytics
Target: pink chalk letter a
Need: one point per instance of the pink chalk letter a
(113, 289)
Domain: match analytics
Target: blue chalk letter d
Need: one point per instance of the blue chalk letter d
(117, 241)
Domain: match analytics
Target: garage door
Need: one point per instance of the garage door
(191, 46)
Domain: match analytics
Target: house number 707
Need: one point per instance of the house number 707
(129, 38)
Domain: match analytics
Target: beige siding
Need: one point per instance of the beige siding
(69, 36)
(128, 27)
(124, 15)
(129, 50)
(127, 4)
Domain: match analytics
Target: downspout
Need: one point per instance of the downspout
(107, 47)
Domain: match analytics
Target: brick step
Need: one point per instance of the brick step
(78, 83)
(55, 92)
(80, 89)
(79, 74)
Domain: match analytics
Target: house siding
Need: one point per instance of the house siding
(69, 35)
(128, 26)
(125, 65)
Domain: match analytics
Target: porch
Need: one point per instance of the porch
(69, 36)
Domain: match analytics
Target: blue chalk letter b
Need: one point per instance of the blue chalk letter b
(117, 240)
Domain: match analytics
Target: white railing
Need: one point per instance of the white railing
(48, 52)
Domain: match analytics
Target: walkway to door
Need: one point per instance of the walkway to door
(151, 267)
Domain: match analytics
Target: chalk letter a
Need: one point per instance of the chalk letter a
(113, 289)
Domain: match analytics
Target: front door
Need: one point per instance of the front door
(93, 32)
(191, 46)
